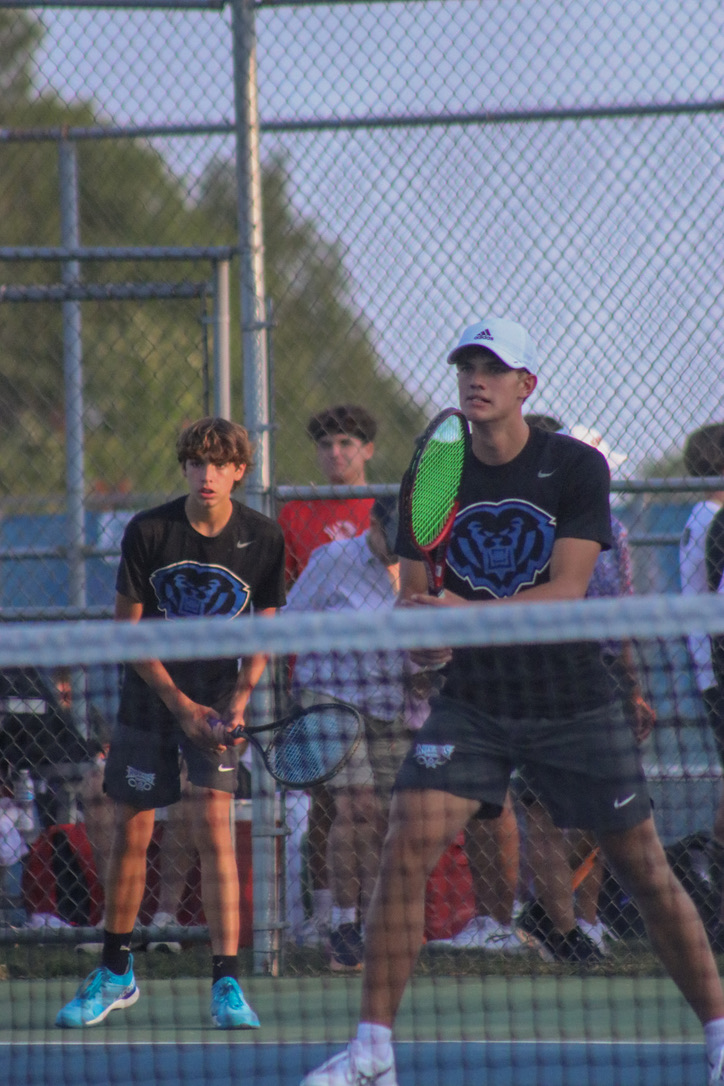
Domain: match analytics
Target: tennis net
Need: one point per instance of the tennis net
(496, 997)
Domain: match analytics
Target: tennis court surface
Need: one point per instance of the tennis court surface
(457, 1031)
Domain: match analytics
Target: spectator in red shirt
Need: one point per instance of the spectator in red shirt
(344, 437)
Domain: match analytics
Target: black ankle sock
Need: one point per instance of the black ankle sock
(223, 965)
(116, 951)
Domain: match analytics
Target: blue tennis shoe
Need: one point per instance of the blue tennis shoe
(99, 994)
(229, 1009)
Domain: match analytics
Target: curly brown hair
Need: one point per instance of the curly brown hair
(218, 440)
(343, 418)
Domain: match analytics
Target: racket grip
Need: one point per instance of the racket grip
(235, 733)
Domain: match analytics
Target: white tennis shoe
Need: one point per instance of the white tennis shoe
(716, 1070)
(599, 934)
(485, 933)
(353, 1067)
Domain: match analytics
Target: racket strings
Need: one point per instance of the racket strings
(437, 481)
(313, 745)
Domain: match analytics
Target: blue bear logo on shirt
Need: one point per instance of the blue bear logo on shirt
(193, 590)
(500, 547)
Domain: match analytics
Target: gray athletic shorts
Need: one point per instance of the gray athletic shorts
(142, 768)
(585, 768)
(378, 755)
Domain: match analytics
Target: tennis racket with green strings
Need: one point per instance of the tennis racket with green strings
(431, 488)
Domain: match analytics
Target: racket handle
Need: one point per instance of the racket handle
(235, 733)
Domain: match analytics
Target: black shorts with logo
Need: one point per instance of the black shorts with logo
(585, 768)
(142, 768)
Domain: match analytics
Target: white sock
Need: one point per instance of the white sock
(714, 1037)
(321, 907)
(376, 1039)
(342, 916)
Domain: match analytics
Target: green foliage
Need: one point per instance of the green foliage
(669, 466)
(322, 349)
(18, 38)
(143, 362)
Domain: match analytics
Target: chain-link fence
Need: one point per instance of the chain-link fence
(421, 164)
(379, 176)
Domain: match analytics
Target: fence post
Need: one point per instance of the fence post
(256, 420)
(222, 380)
(74, 421)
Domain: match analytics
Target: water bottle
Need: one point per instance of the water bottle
(24, 789)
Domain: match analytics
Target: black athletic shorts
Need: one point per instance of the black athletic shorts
(585, 768)
(142, 768)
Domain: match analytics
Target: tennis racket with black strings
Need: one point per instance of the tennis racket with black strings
(308, 746)
(431, 488)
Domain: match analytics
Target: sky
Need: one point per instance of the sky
(602, 236)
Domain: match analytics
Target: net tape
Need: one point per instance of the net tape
(47, 644)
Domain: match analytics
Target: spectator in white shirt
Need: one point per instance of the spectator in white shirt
(359, 574)
(704, 458)
(17, 828)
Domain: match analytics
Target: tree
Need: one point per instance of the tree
(322, 349)
(143, 362)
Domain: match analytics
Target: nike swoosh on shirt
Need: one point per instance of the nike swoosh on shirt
(241, 545)
(545, 474)
(623, 802)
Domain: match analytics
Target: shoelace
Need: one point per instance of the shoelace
(229, 992)
(362, 1078)
(93, 983)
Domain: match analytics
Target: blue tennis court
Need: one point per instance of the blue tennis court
(452, 1031)
(428, 1063)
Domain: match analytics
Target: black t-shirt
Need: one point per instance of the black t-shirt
(715, 583)
(509, 518)
(177, 573)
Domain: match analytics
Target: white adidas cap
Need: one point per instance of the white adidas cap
(506, 339)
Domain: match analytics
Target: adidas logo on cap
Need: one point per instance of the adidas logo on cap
(505, 338)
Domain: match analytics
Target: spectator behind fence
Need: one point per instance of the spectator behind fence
(714, 696)
(704, 458)
(351, 575)
(17, 830)
(343, 435)
(202, 547)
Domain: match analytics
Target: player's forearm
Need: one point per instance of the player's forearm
(250, 672)
(627, 671)
(252, 667)
(413, 580)
(155, 675)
